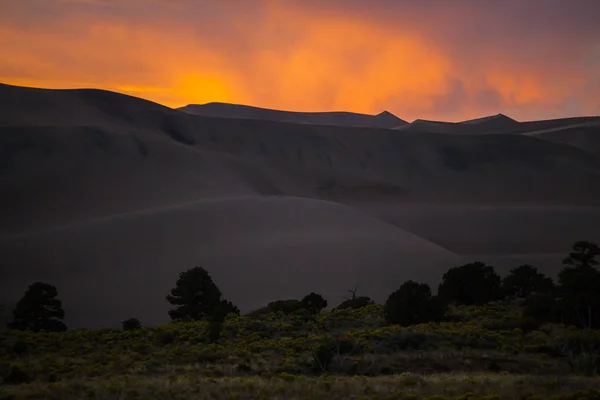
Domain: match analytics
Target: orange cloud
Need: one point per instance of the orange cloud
(284, 56)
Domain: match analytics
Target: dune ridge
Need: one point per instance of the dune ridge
(384, 119)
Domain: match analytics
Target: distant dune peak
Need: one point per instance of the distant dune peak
(491, 118)
(385, 119)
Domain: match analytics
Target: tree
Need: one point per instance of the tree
(314, 303)
(39, 310)
(470, 284)
(579, 285)
(576, 301)
(196, 297)
(584, 254)
(131, 324)
(579, 288)
(524, 281)
(356, 303)
(412, 304)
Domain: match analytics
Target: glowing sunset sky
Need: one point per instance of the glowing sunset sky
(432, 59)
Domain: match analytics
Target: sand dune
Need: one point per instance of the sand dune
(530, 126)
(493, 229)
(224, 110)
(493, 123)
(134, 154)
(257, 249)
(585, 136)
(110, 197)
(486, 125)
(491, 118)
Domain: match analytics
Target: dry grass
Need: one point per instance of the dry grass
(273, 358)
(290, 387)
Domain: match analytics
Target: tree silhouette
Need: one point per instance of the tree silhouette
(470, 284)
(39, 310)
(314, 303)
(579, 288)
(584, 254)
(196, 297)
(355, 302)
(412, 304)
(131, 324)
(523, 281)
(579, 285)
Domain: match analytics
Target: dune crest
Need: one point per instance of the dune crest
(335, 118)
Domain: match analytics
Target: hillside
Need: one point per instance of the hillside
(334, 118)
(584, 135)
(486, 125)
(274, 245)
(168, 190)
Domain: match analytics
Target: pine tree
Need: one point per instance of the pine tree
(196, 297)
(39, 310)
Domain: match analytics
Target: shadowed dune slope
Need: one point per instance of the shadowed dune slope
(257, 250)
(493, 229)
(560, 123)
(492, 123)
(57, 175)
(67, 155)
(339, 118)
(25, 106)
(585, 136)
(110, 197)
(486, 125)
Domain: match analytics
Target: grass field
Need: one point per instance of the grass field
(487, 352)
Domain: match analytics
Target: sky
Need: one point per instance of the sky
(431, 59)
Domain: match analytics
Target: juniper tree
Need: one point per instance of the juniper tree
(39, 310)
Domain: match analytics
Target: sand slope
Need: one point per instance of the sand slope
(110, 197)
(585, 136)
(480, 126)
(67, 155)
(339, 118)
(257, 249)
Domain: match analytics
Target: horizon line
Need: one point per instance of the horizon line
(287, 111)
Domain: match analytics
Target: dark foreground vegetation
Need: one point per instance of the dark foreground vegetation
(481, 337)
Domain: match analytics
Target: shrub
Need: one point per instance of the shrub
(19, 348)
(471, 284)
(325, 353)
(355, 303)
(131, 324)
(412, 304)
(16, 376)
(314, 303)
(412, 341)
(285, 306)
